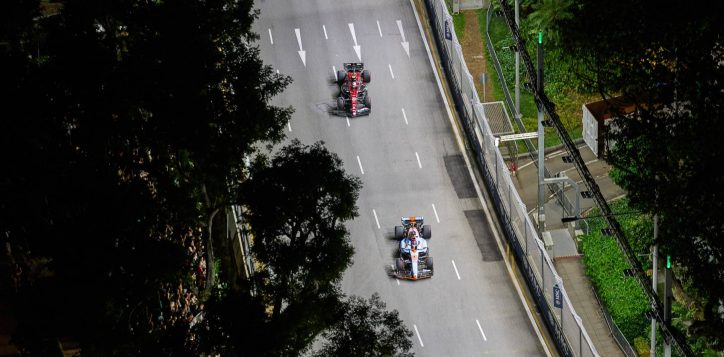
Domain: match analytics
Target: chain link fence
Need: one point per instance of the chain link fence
(546, 286)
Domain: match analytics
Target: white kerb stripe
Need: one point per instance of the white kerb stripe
(481, 330)
(391, 73)
(271, 39)
(404, 115)
(456, 269)
(376, 220)
(435, 210)
(418, 336)
(418, 160)
(360, 165)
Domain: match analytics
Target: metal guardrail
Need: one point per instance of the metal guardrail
(240, 241)
(547, 288)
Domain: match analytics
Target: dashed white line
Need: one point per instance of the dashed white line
(271, 38)
(324, 28)
(360, 165)
(435, 210)
(456, 270)
(334, 72)
(277, 71)
(404, 116)
(379, 28)
(398, 281)
(347, 121)
(376, 220)
(418, 159)
(481, 330)
(391, 73)
(289, 125)
(418, 336)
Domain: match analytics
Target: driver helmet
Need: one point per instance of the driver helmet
(354, 80)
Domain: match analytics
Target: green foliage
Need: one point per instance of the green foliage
(605, 264)
(459, 25)
(365, 328)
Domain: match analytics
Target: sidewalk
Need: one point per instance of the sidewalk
(564, 251)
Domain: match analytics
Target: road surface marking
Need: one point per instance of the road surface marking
(456, 269)
(360, 165)
(405, 44)
(290, 126)
(458, 138)
(356, 47)
(376, 220)
(271, 39)
(418, 160)
(347, 121)
(398, 281)
(392, 74)
(418, 336)
(481, 330)
(379, 28)
(434, 210)
(334, 73)
(404, 115)
(277, 71)
(302, 52)
(324, 28)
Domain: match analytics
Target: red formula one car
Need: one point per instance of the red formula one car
(353, 99)
(414, 261)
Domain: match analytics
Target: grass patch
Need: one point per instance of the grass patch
(605, 264)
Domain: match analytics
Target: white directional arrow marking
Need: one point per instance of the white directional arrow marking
(302, 53)
(357, 48)
(405, 44)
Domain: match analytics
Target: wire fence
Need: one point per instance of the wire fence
(564, 325)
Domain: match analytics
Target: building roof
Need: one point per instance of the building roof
(606, 109)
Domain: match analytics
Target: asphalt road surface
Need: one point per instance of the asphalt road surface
(409, 160)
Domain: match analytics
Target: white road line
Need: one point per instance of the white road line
(277, 71)
(379, 28)
(404, 43)
(302, 52)
(357, 48)
(376, 220)
(461, 146)
(481, 330)
(418, 336)
(289, 125)
(418, 159)
(360, 165)
(271, 39)
(334, 72)
(398, 281)
(456, 269)
(434, 210)
(404, 115)
(324, 28)
(347, 121)
(392, 74)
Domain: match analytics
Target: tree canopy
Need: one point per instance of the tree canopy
(668, 59)
(127, 127)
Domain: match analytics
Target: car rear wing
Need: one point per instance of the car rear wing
(412, 220)
(354, 66)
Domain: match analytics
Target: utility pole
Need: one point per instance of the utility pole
(541, 144)
(517, 66)
(654, 282)
(668, 297)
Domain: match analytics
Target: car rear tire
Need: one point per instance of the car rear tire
(341, 77)
(426, 231)
(428, 264)
(368, 102)
(366, 77)
(340, 103)
(400, 264)
(399, 232)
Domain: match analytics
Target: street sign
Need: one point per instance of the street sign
(448, 34)
(519, 136)
(557, 297)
